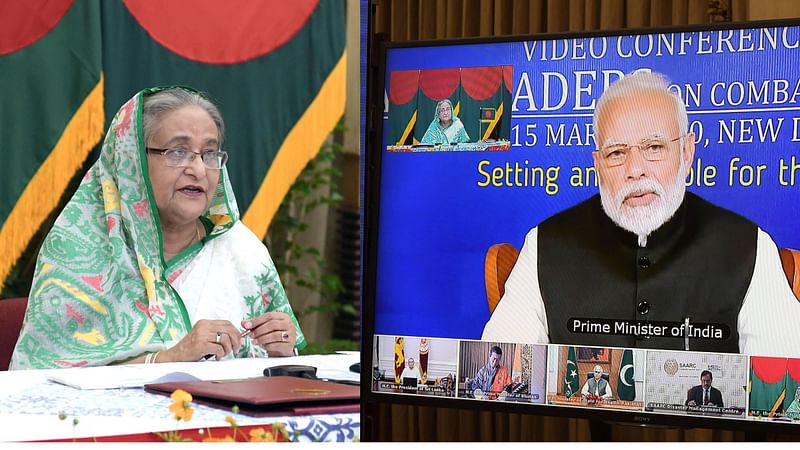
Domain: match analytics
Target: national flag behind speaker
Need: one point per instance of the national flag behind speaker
(423, 360)
(51, 110)
(275, 68)
(626, 386)
(767, 384)
(399, 358)
(571, 378)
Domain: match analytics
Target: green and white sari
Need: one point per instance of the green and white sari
(454, 134)
(103, 292)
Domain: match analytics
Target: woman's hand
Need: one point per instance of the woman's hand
(207, 337)
(273, 331)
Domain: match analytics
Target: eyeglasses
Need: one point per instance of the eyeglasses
(181, 157)
(655, 149)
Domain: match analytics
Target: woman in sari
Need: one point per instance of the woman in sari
(793, 410)
(149, 262)
(445, 127)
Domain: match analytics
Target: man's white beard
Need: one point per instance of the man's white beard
(645, 219)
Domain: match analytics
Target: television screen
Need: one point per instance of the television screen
(598, 221)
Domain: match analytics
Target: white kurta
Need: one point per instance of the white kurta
(768, 322)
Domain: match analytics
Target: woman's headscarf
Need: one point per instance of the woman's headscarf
(455, 133)
(439, 107)
(100, 277)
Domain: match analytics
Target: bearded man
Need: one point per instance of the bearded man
(644, 250)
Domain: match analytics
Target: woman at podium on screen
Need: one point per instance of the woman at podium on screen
(445, 128)
(149, 262)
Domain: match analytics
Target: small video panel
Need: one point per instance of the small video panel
(414, 365)
(775, 389)
(502, 371)
(596, 377)
(455, 109)
(707, 384)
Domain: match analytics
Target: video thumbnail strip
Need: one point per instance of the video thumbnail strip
(728, 386)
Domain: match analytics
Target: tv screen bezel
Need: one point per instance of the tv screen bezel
(378, 47)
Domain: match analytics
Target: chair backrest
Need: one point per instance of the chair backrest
(12, 312)
(790, 259)
(590, 375)
(500, 259)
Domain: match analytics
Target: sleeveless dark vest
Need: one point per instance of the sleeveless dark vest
(698, 265)
(599, 386)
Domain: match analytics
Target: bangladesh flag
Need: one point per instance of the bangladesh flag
(51, 110)
(488, 114)
(571, 377)
(626, 386)
(275, 68)
(767, 384)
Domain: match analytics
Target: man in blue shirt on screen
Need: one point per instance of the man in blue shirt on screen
(644, 254)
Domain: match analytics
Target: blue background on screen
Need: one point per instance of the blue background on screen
(436, 223)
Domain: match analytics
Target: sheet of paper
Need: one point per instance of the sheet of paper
(137, 375)
(333, 367)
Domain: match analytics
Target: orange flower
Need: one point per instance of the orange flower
(182, 408)
(261, 435)
(231, 421)
(222, 439)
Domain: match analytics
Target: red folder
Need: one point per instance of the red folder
(269, 396)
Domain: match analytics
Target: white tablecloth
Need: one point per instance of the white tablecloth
(30, 403)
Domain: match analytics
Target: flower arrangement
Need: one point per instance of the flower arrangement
(182, 409)
(592, 399)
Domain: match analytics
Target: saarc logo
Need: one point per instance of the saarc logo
(671, 366)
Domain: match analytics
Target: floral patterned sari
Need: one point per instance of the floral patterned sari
(103, 292)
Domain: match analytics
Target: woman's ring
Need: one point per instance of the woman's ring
(219, 335)
(285, 336)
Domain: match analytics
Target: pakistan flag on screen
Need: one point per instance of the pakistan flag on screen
(626, 386)
(571, 378)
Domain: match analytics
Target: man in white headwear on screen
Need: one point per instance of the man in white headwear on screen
(645, 250)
